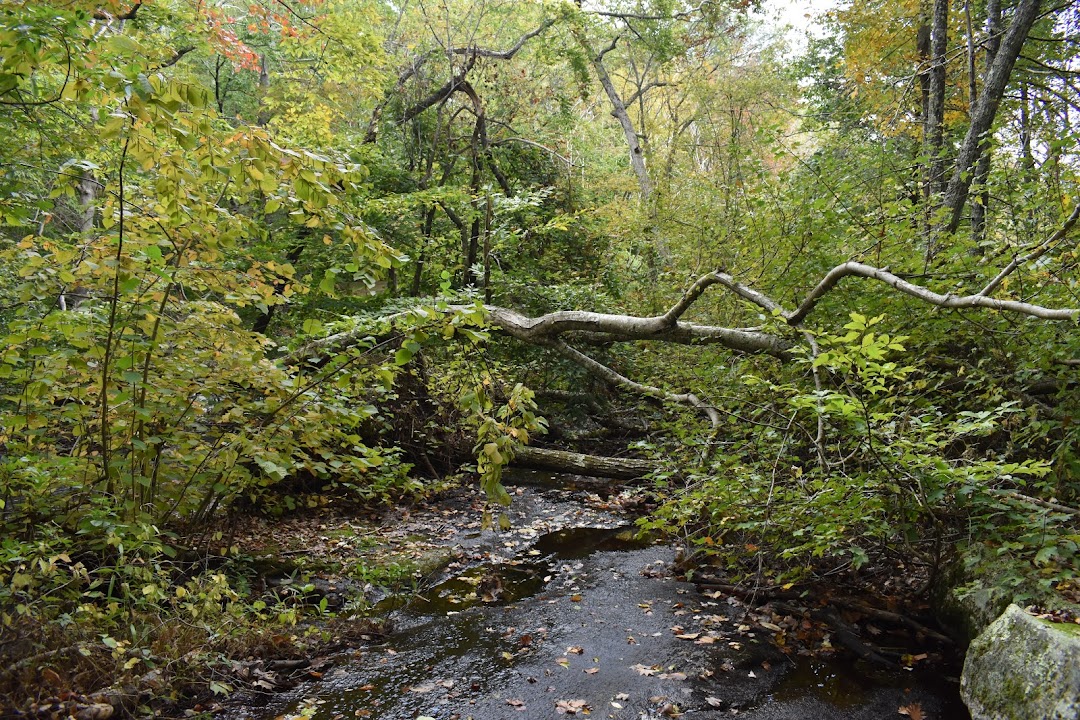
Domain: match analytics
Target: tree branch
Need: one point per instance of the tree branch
(638, 93)
(608, 375)
(129, 15)
(834, 276)
(1038, 252)
(503, 54)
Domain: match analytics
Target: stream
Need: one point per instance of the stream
(569, 619)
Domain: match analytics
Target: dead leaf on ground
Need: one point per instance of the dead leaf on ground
(644, 669)
(575, 650)
(913, 711)
(516, 704)
(591, 671)
(672, 676)
(571, 707)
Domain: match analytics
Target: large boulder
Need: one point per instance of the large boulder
(1023, 668)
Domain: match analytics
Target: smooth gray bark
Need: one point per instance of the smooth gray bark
(985, 110)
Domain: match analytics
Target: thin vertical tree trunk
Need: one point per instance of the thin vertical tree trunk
(985, 111)
(981, 202)
(935, 109)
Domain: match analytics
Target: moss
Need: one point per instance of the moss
(1067, 628)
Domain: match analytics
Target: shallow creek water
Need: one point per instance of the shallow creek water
(587, 620)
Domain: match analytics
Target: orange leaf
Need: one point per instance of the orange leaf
(913, 711)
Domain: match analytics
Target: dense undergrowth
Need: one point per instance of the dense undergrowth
(250, 262)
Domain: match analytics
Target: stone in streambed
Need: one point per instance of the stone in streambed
(1022, 667)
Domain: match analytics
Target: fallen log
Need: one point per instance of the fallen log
(581, 464)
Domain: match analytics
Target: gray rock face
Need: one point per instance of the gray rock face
(1023, 668)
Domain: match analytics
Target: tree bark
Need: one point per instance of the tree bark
(985, 111)
(581, 464)
(618, 110)
(935, 108)
(982, 166)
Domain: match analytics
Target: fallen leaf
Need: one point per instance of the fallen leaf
(714, 701)
(516, 704)
(622, 696)
(571, 707)
(591, 671)
(688, 636)
(565, 662)
(913, 711)
(705, 640)
(575, 650)
(672, 676)
(576, 597)
(644, 669)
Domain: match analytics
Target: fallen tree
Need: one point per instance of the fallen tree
(582, 464)
(560, 331)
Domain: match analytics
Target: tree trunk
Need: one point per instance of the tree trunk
(618, 110)
(581, 464)
(982, 167)
(985, 111)
(935, 108)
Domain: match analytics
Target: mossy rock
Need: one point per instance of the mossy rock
(977, 587)
(1022, 667)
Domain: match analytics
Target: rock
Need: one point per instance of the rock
(1022, 667)
(975, 589)
(97, 711)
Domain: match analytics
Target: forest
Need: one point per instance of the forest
(816, 301)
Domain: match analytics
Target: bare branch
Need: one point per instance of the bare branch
(440, 94)
(177, 56)
(608, 375)
(838, 273)
(639, 93)
(661, 328)
(535, 145)
(1040, 250)
(472, 52)
(129, 15)
(641, 16)
(503, 54)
